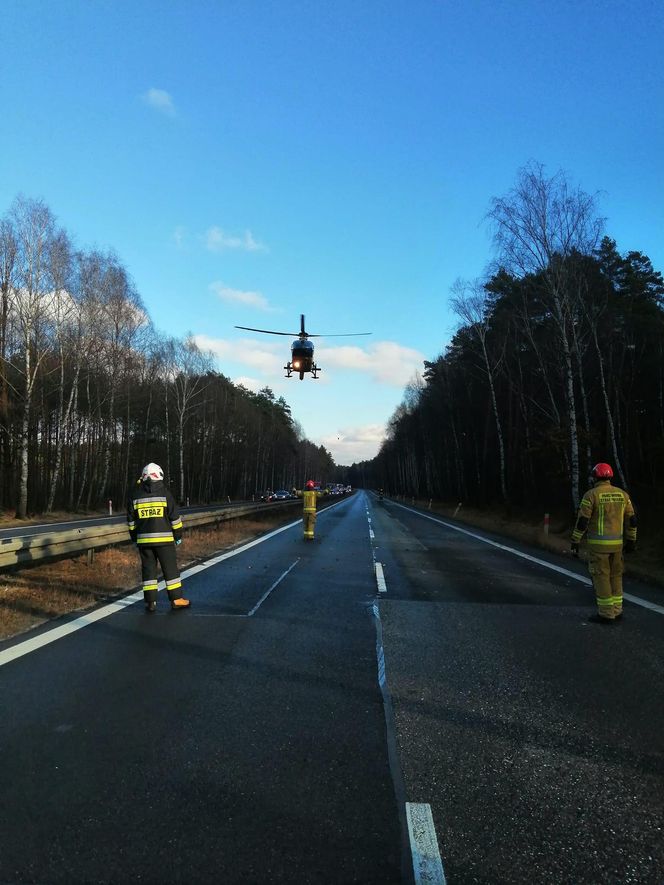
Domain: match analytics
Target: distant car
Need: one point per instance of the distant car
(281, 495)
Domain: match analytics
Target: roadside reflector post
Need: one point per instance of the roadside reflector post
(430, 500)
(546, 523)
(458, 507)
(110, 507)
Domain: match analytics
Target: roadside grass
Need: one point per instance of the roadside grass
(32, 595)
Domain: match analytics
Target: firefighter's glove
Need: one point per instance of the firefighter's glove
(178, 542)
(630, 546)
(574, 550)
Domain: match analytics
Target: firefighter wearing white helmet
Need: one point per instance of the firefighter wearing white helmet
(606, 517)
(155, 526)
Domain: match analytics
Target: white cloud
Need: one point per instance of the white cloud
(160, 100)
(216, 240)
(238, 296)
(253, 384)
(266, 359)
(352, 444)
(385, 361)
(319, 405)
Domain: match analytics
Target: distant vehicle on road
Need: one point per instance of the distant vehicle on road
(281, 495)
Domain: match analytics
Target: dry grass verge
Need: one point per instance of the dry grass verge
(31, 596)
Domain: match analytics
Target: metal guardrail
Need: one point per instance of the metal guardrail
(73, 542)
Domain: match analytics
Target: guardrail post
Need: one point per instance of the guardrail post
(91, 555)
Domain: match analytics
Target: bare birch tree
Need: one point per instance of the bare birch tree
(537, 227)
(35, 227)
(121, 316)
(8, 270)
(188, 366)
(64, 311)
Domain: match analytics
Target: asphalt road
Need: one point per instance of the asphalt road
(294, 723)
(536, 736)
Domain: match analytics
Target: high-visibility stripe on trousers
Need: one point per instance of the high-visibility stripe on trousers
(606, 570)
(309, 520)
(151, 557)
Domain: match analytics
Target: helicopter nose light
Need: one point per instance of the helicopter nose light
(296, 364)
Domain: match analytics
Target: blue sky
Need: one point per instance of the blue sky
(251, 161)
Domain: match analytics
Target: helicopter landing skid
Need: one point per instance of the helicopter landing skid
(289, 371)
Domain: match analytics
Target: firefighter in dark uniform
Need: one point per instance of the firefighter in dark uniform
(309, 497)
(155, 525)
(606, 516)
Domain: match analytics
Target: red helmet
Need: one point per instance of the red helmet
(602, 471)
(309, 484)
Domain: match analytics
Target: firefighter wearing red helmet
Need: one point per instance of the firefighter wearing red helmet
(309, 497)
(606, 517)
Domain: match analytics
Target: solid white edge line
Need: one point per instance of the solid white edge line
(427, 865)
(380, 578)
(36, 642)
(556, 568)
(644, 603)
(29, 645)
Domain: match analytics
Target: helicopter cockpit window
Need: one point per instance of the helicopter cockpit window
(305, 348)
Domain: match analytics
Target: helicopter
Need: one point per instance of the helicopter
(302, 349)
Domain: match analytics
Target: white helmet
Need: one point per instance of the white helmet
(152, 471)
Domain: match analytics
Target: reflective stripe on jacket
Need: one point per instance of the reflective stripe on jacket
(606, 515)
(152, 514)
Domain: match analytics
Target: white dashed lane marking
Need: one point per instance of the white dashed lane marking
(427, 865)
(380, 578)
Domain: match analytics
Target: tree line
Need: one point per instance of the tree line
(558, 363)
(90, 390)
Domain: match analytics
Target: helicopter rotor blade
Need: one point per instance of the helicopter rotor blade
(340, 335)
(267, 331)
